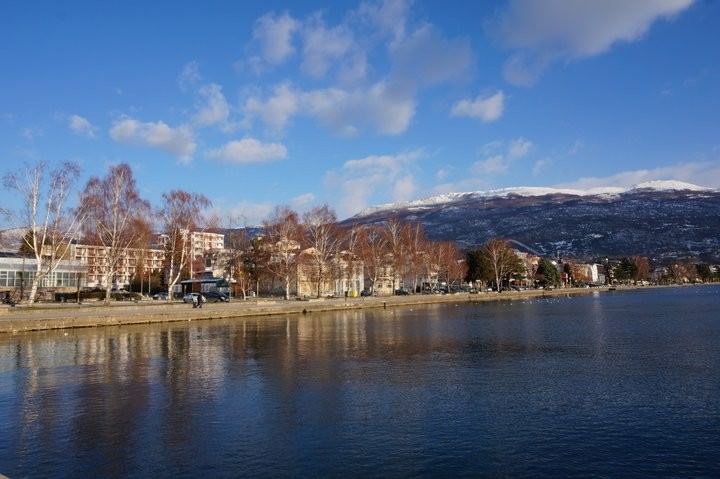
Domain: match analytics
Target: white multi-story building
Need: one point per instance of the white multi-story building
(95, 260)
(203, 241)
(200, 242)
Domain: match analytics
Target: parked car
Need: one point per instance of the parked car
(188, 298)
(365, 292)
(215, 296)
(401, 292)
(126, 296)
(160, 296)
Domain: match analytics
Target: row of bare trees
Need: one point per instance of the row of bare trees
(108, 212)
(111, 213)
(316, 240)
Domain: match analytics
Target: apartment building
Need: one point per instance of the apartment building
(94, 259)
(200, 242)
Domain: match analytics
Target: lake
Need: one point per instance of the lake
(609, 384)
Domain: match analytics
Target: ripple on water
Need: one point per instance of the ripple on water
(611, 385)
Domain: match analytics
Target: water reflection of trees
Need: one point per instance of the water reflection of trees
(108, 390)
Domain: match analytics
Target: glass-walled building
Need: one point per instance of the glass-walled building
(17, 273)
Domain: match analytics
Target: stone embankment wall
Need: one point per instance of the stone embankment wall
(38, 318)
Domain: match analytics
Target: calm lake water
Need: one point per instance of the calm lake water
(612, 384)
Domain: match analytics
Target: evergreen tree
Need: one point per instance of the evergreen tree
(548, 273)
(479, 268)
(703, 271)
(626, 270)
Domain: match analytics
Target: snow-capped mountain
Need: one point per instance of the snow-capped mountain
(661, 219)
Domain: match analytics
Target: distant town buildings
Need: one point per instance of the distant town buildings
(341, 273)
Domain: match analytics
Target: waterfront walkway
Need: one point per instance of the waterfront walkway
(61, 316)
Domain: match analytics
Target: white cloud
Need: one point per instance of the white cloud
(541, 165)
(274, 35)
(247, 151)
(542, 33)
(189, 76)
(703, 173)
(32, 133)
(493, 165)
(492, 147)
(379, 107)
(248, 213)
(389, 17)
(322, 46)
(176, 141)
(392, 164)
(361, 97)
(500, 156)
(81, 126)
(485, 108)
(301, 201)
(214, 109)
(519, 147)
(354, 70)
(426, 58)
(276, 111)
(383, 107)
(404, 188)
(374, 177)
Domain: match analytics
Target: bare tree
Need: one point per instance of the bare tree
(51, 224)
(417, 252)
(438, 260)
(396, 237)
(455, 265)
(323, 239)
(114, 208)
(373, 249)
(238, 262)
(642, 268)
(142, 229)
(350, 262)
(237, 259)
(501, 258)
(284, 235)
(180, 216)
(257, 261)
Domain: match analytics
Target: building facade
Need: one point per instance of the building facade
(200, 242)
(343, 274)
(17, 273)
(132, 261)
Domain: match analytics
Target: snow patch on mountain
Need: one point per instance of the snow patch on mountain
(528, 191)
(669, 185)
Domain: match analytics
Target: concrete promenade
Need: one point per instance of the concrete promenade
(61, 316)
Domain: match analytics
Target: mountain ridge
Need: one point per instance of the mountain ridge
(655, 185)
(665, 220)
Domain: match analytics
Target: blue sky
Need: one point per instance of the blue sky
(360, 103)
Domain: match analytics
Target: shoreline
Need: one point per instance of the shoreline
(53, 317)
